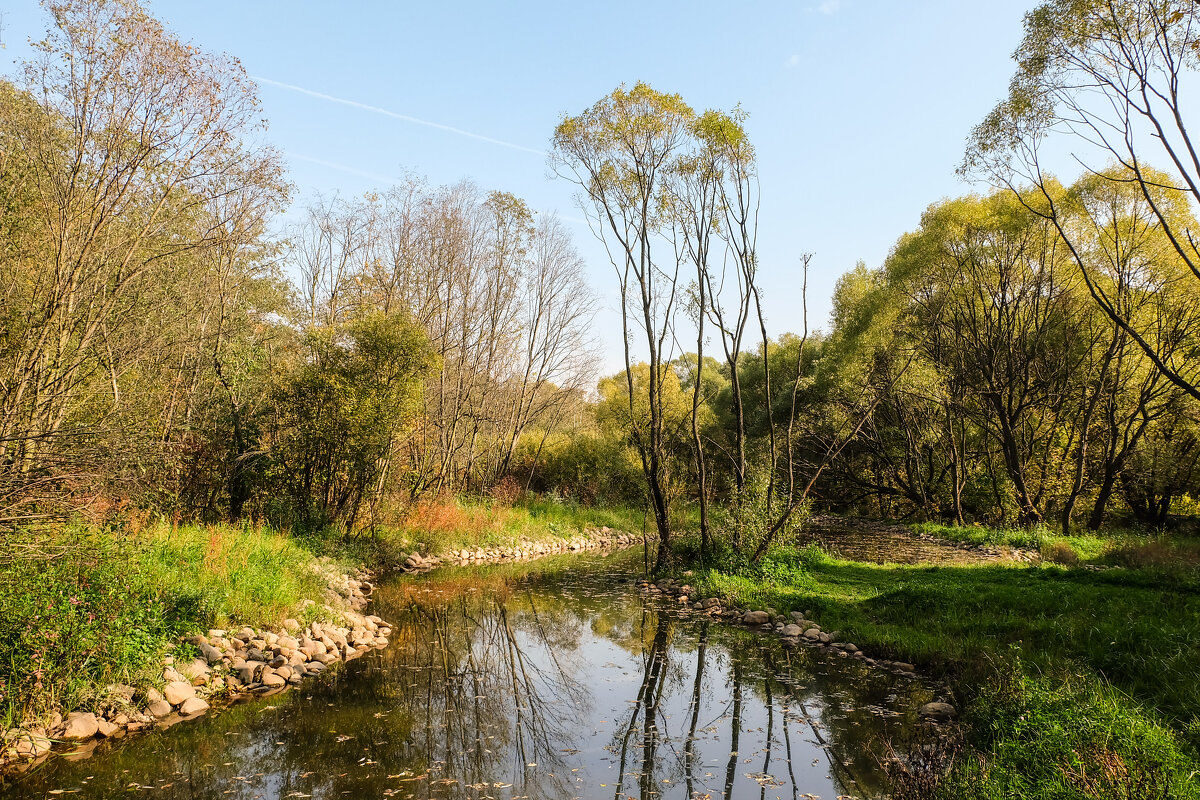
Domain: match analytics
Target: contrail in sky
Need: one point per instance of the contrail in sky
(343, 168)
(394, 115)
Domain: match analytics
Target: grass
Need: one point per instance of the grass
(440, 526)
(81, 607)
(1076, 682)
(1050, 542)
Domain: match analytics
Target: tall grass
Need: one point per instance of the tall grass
(82, 608)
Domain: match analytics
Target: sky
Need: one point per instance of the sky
(859, 110)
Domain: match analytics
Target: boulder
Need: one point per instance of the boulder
(31, 745)
(813, 634)
(272, 679)
(939, 712)
(177, 691)
(210, 654)
(792, 630)
(159, 708)
(756, 618)
(193, 705)
(105, 728)
(80, 726)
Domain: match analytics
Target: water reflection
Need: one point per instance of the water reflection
(555, 680)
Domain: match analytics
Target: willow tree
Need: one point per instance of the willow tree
(622, 152)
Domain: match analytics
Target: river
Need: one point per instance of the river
(554, 679)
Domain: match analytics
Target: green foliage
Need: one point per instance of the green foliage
(85, 607)
(340, 411)
(1103, 663)
(589, 468)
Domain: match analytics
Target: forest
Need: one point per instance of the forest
(184, 362)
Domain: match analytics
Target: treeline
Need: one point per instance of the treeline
(162, 346)
(1004, 393)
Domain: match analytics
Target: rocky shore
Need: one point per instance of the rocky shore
(218, 666)
(524, 550)
(795, 629)
(223, 665)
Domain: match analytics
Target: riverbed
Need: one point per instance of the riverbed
(550, 680)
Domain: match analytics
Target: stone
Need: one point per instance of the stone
(178, 691)
(314, 668)
(159, 708)
(792, 630)
(291, 625)
(123, 691)
(938, 711)
(105, 728)
(903, 667)
(248, 673)
(756, 618)
(31, 745)
(80, 725)
(210, 654)
(193, 705)
(255, 654)
(797, 617)
(850, 647)
(813, 635)
(272, 679)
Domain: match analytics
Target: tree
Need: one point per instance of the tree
(341, 410)
(621, 153)
(1108, 78)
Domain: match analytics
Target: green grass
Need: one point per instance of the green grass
(1107, 659)
(441, 526)
(1086, 546)
(81, 608)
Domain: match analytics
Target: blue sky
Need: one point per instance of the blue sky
(859, 109)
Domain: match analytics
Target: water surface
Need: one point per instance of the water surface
(552, 680)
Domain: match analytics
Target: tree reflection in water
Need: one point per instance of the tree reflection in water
(551, 680)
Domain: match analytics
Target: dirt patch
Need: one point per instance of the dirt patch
(881, 542)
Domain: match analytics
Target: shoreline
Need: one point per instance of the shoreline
(225, 666)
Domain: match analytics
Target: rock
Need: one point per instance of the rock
(248, 673)
(159, 708)
(314, 667)
(797, 617)
(756, 618)
(31, 745)
(272, 679)
(105, 728)
(80, 726)
(938, 712)
(123, 691)
(193, 705)
(255, 654)
(792, 630)
(813, 634)
(849, 647)
(291, 625)
(903, 667)
(210, 654)
(178, 691)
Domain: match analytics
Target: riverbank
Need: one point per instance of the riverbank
(1073, 682)
(97, 622)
